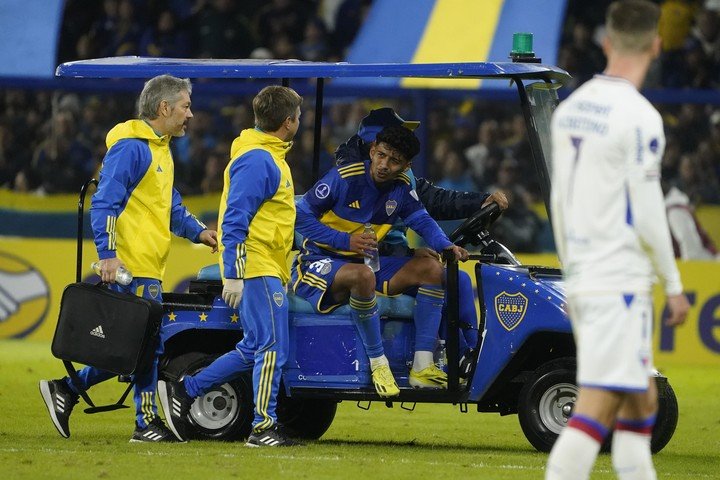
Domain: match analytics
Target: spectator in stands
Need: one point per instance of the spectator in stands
(222, 32)
(62, 161)
(699, 184)
(454, 173)
(348, 19)
(485, 155)
(690, 240)
(165, 39)
(519, 227)
(706, 34)
(283, 48)
(676, 19)
(121, 34)
(212, 181)
(586, 51)
(314, 46)
(104, 27)
(282, 17)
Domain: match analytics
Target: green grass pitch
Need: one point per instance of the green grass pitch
(434, 441)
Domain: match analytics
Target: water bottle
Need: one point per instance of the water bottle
(122, 276)
(373, 261)
(441, 356)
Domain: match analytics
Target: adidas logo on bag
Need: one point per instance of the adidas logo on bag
(97, 332)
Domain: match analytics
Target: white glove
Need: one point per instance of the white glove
(232, 291)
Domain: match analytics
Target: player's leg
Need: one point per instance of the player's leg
(631, 455)
(357, 282)
(177, 397)
(148, 425)
(426, 274)
(606, 372)
(574, 453)
(266, 308)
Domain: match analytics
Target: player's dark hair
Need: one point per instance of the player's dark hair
(273, 105)
(401, 139)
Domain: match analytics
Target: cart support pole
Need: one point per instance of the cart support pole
(317, 139)
(453, 322)
(81, 209)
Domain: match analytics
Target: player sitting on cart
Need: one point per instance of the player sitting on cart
(330, 271)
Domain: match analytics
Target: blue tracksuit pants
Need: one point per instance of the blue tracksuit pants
(263, 349)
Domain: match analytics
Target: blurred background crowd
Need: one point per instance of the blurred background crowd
(51, 142)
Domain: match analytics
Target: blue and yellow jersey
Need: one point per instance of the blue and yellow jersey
(257, 208)
(136, 206)
(347, 198)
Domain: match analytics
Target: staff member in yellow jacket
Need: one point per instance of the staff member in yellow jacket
(257, 219)
(133, 213)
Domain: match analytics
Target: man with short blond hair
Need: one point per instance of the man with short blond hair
(256, 228)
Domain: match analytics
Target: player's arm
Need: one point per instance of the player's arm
(123, 167)
(444, 204)
(646, 206)
(318, 200)
(646, 211)
(254, 178)
(185, 224)
(417, 218)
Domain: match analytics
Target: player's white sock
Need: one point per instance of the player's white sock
(631, 456)
(422, 360)
(378, 361)
(574, 453)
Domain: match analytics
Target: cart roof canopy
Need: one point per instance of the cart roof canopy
(144, 67)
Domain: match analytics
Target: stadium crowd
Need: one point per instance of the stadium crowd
(50, 142)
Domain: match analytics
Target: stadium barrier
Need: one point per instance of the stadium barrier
(34, 272)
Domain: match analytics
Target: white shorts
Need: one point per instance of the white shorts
(613, 334)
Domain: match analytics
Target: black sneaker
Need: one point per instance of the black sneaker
(176, 404)
(156, 431)
(271, 437)
(59, 400)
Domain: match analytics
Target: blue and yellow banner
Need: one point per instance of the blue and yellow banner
(34, 272)
(435, 31)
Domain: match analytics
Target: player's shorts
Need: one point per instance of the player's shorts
(613, 334)
(312, 277)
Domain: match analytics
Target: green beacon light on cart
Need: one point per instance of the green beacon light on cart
(522, 48)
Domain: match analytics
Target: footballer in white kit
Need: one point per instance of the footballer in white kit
(610, 228)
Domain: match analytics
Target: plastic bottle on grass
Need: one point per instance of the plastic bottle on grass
(374, 260)
(122, 276)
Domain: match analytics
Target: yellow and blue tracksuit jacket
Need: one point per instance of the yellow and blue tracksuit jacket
(346, 198)
(136, 206)
(257, 208)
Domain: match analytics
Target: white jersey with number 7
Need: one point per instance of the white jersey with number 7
(607, 205)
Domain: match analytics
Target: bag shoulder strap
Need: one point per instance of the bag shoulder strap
(85, 396)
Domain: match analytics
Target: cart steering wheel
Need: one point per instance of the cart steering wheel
(472, 228)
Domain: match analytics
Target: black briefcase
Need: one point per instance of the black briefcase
(106, 329)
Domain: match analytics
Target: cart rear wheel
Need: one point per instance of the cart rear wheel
(223, 413)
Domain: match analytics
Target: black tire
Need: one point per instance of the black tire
(546, 402)
(667, 417)
(225, 412)
(305, 418)
(542, 420)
